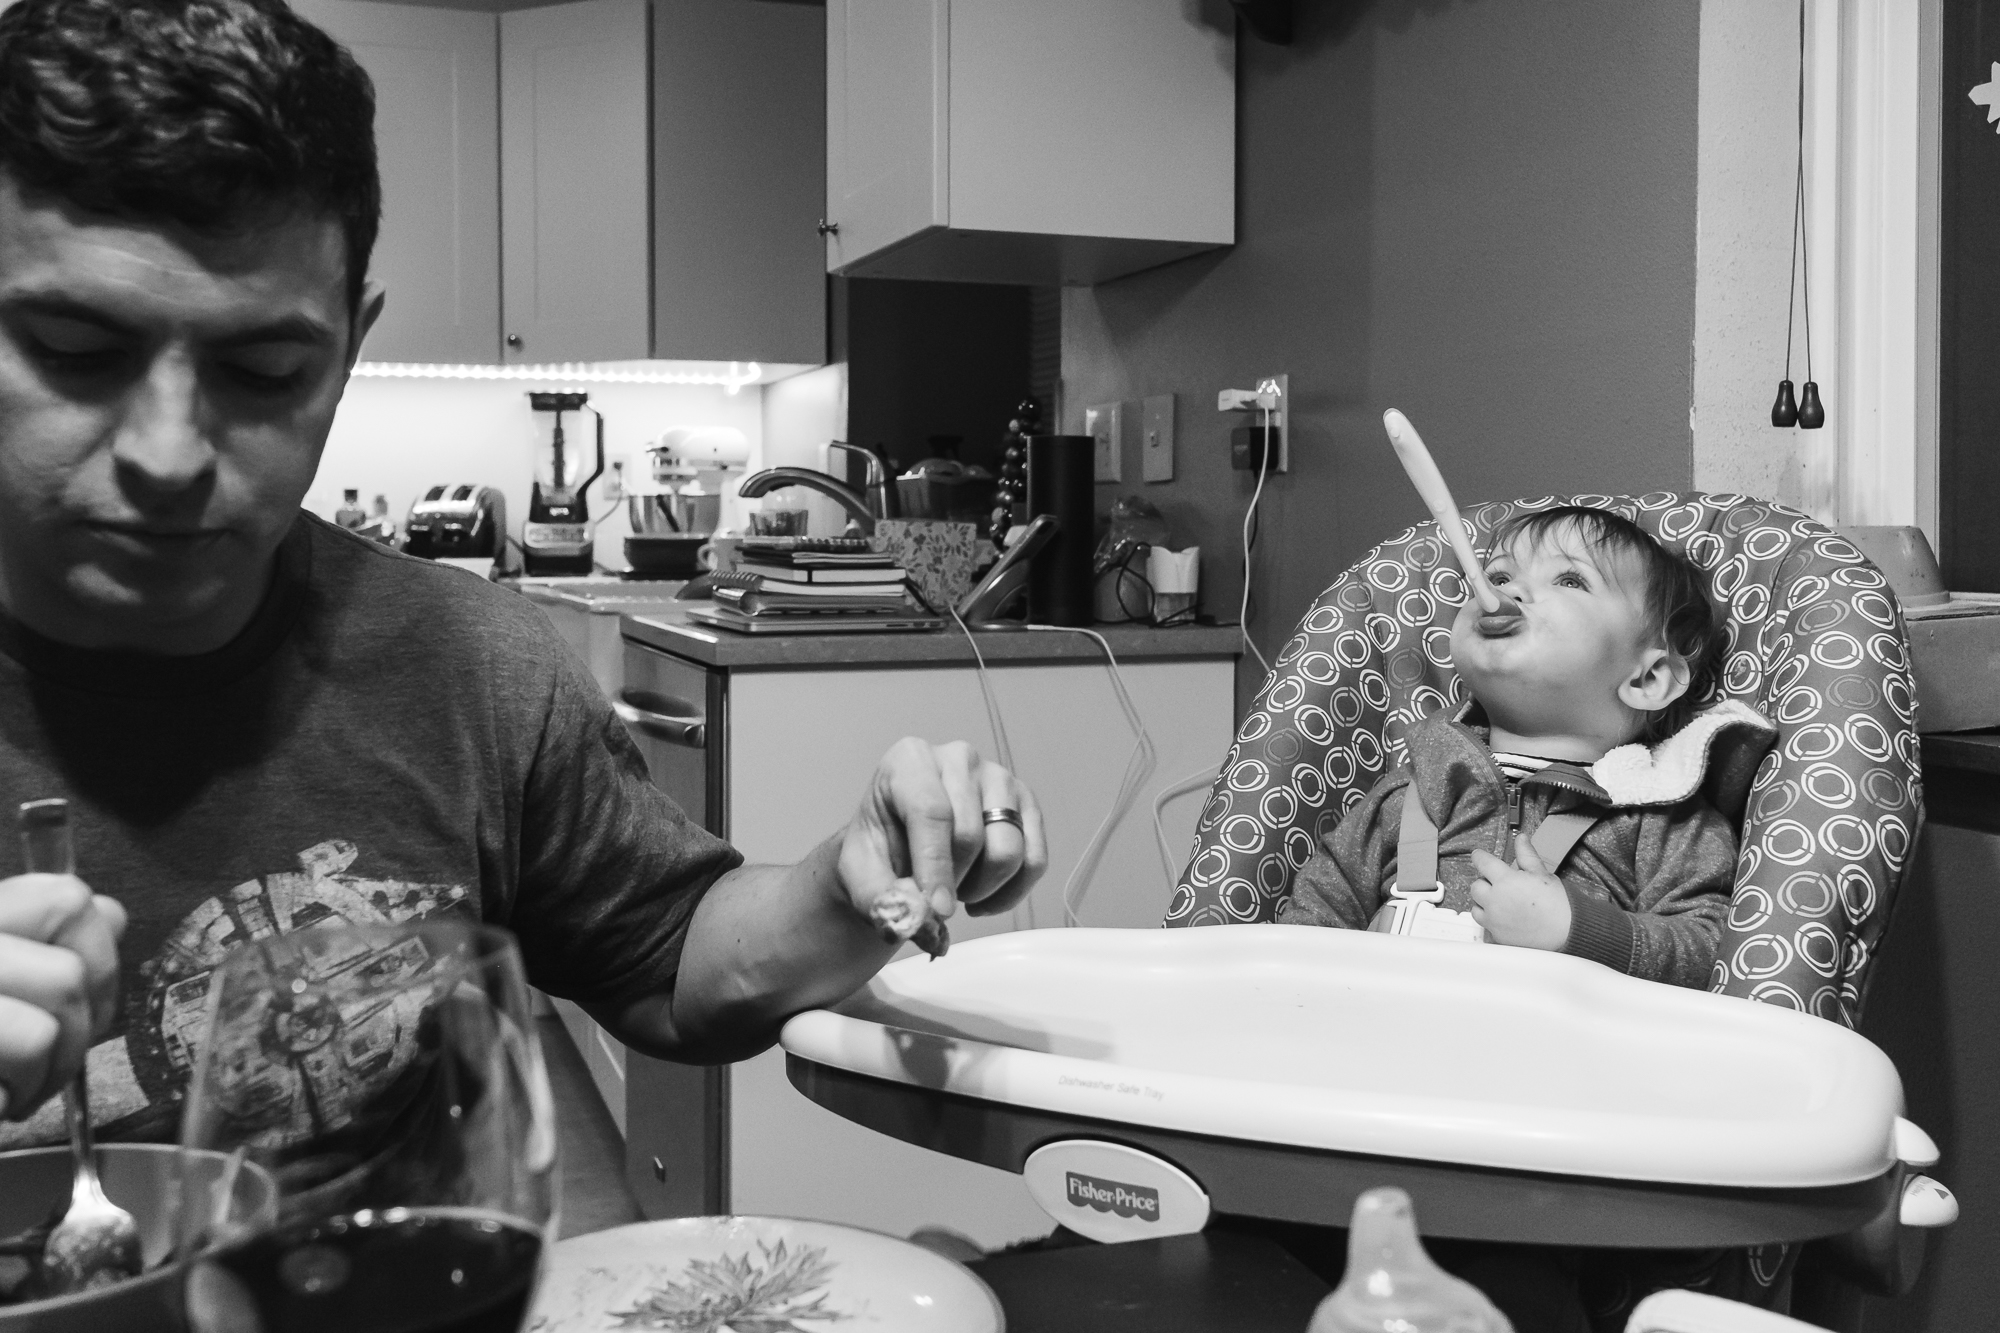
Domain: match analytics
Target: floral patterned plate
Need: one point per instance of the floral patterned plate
(756, 1275)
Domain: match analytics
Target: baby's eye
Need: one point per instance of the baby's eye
(1569, 579)
(1497, 577)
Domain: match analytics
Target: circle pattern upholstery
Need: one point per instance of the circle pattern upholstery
(1816, 643)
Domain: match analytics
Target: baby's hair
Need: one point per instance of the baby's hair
(1678, 612)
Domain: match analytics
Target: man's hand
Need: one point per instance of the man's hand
(1522, 904)
(923, 821)
(58, 982)
(769, 941)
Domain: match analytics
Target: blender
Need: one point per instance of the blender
(556, 539)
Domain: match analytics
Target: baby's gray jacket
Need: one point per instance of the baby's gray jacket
(1649, 884)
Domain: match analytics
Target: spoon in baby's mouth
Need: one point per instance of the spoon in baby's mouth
(1499, 611)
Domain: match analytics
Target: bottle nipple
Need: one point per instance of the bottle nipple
(1391, 1285)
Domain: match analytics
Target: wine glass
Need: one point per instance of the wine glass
(388, 1081)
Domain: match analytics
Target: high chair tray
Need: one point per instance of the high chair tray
(1518, 1094)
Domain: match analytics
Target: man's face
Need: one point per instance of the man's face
(164, 397)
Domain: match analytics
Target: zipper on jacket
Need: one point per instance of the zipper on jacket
(1513, 811)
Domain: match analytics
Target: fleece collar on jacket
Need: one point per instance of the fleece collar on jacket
(1719, 749)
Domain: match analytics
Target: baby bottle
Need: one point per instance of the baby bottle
(1391, 1285)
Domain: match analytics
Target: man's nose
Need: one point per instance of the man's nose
(163, 447)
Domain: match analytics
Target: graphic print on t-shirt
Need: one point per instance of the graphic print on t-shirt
(136, 1080)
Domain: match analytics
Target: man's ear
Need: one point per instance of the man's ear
(366, 312)
(1661, 678)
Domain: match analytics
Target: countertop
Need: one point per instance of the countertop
(670, 631)
(1965, 751)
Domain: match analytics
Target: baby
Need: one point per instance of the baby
(1615, 640)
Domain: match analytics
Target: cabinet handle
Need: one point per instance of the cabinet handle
(662, 718)
(828, 228)
(659, 1171)
(514, 341)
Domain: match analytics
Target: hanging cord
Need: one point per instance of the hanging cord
(1801, 237)
(1249, 541)
(1799, 276)
(1137, 769)
(1194, 781)
(994, 722)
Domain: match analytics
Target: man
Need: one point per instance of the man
(262, 722)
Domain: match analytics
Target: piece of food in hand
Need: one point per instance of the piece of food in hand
(900, 913)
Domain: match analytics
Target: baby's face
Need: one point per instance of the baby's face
(1556, 667)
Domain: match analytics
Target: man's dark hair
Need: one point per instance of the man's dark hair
(1678, 613)
(214, 114)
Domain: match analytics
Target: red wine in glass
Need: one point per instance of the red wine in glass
(414, 1270)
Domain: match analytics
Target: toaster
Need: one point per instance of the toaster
(464, 522)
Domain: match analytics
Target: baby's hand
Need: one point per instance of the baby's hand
(1522, 904)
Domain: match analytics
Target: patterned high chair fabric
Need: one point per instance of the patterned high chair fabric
(1816, 643)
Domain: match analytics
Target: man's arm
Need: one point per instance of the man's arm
(767, 942)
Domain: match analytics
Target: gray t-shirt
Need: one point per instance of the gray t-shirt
(389, 739)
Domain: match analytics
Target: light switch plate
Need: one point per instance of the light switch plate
(1104, 424)
(1156, 454)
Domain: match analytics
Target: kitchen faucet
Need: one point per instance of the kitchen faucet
(864, 510)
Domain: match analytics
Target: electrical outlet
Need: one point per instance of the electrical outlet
(1104, 425)
(1156, 456)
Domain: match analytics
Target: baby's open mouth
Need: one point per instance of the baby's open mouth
(1499, 624)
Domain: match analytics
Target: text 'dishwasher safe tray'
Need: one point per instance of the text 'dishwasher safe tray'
(1480, 1056)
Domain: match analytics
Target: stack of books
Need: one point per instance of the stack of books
(796, 584)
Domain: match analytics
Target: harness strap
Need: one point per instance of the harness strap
(1416, 853)
(1557, 834)
(1417, 846)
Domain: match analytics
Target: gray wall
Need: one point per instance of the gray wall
(1480, 211)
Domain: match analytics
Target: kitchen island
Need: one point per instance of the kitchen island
(770, 742)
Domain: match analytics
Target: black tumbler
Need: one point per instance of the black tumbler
(1062, 472)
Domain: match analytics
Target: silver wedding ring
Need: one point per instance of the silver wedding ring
(1001, 814)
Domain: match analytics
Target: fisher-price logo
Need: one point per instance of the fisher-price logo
(1109, 1196)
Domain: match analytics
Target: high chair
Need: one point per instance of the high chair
(1816, 643)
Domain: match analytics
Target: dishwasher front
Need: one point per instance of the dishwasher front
(677, 1116)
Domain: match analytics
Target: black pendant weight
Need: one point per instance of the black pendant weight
(1812, 413)
(1785, 412)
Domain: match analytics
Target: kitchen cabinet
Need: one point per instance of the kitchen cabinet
(436, 81)
(792, 730)
(739, 180)
(576, 250)
(599, 180)
(1036, 142)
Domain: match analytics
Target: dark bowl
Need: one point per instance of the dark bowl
(143, 1179)
(665, 555)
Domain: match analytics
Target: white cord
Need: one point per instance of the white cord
(1195, 781)
(994, 722)
(1249, 517)
(998, 726)
(1137, 768)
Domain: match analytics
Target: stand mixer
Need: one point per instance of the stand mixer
(679, 490)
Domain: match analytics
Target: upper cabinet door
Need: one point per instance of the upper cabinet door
(887, 131)
(1027, 141)
(739, 181)
(575, 242)
(437, 136)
